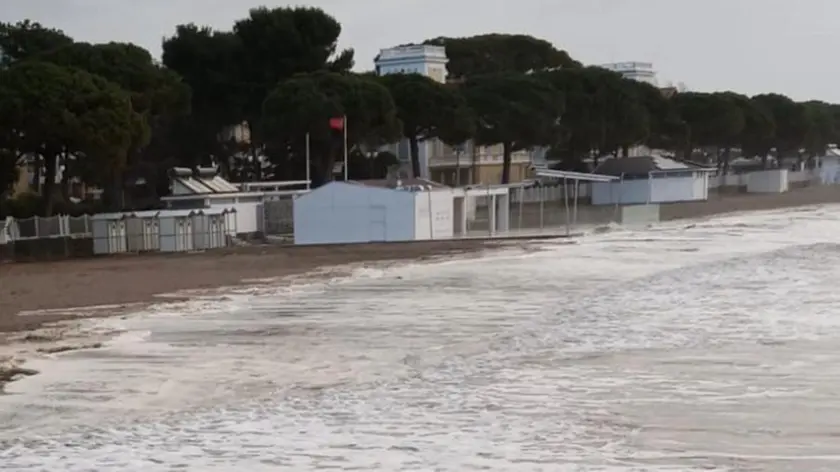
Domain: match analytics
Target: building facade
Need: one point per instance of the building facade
(641, 71)
(459, 165)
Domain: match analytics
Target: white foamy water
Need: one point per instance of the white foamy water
(707, 346)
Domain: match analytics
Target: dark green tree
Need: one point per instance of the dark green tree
(791, 120)
(305, 104)
(209, 62)
(517, 111)
(26, 39)
(495, 53)
(158, 95)
(231, 73)
(53, 110)
(712, 120)
(428, 110)
(759, 128)
(822, 128)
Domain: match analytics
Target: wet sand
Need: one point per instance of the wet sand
(124, 283)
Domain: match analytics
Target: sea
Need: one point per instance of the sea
(708, 345)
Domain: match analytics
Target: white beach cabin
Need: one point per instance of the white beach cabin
(176, 230)
(109, 233)
(210, 228)
(830, 166)
(143, 231)
(650, 179)
(374, 211)
(768, 181)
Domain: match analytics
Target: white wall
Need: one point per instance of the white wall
(248, 215)
(626, 192)
(655, 190)
(830, 171)
(639, 214)
(434, 215)
(348, 213)
(768, 181)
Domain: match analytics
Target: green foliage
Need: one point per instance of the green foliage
(305, 104)
(9, 172)
(428, 109)
(26, 39)
(514, 110)
(58, 110)
(497, 53)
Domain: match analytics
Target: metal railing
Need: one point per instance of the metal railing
(63, 236)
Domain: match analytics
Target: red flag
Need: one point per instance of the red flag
(337, 123)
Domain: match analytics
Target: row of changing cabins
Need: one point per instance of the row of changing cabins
(414, 209)
(162, 230)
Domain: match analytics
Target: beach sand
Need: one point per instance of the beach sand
(32, 294)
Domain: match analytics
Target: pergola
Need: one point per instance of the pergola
(566, 176)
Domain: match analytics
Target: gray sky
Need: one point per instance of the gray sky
(749, 46)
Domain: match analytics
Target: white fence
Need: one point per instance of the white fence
(37, 227)
(740, 180)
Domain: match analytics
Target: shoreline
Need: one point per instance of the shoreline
(33, 294)
(42, 304)
(46, 331)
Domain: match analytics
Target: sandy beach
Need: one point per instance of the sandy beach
(32, 294)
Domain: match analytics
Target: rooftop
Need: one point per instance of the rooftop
(202, 181)
(400, 184)
(643, 166)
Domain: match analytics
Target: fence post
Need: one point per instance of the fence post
(36, 223)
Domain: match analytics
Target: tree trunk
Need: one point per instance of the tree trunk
(256, 165)
(474, 164)
(414, 150)
(625, 150)
(65, 176)
(507, 150)
(50, 159)
(37, 162)
(727, 154)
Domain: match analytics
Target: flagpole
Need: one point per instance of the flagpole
(308, 170)
(346, 173)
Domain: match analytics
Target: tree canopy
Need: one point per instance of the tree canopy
(250, 98)
(427, 110)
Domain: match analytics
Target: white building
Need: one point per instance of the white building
(830, 166)
(641, 71)
(374, 211)
(414, 59)
(650, 179)
(391, 210)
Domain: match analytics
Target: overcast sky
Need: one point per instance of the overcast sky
(750, 46)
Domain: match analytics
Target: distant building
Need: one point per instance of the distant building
(438, 162)
(641, 71)
(413, 59)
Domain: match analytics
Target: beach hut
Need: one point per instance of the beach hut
(176, 230)
(374, 211)
(210, 228)
(830, 166)
(109, 233)
(768, 181)
(650, 179)
(143, 229)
